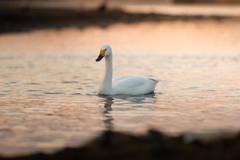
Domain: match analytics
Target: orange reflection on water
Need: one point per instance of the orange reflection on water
(49, 79)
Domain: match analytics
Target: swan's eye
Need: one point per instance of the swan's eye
(105, 49)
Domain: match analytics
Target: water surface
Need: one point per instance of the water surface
(48, 82)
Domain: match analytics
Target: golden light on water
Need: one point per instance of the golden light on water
(210, 37)
(49, 80)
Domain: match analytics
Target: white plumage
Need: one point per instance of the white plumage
(130, 85)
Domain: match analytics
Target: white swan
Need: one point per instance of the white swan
(130, 85)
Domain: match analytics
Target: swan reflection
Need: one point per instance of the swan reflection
(137, 99)
(109, 101)
(108, 108)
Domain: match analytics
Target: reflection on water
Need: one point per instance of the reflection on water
(109, 101)
(107, 113)
(49, 78)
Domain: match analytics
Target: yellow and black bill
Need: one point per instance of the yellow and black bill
(101, 55)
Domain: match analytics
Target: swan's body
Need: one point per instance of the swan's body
(130, 85)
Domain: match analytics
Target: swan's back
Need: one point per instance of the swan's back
(133, 85)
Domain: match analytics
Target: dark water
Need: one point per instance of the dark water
(49, 78)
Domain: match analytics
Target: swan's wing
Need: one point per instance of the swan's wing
(129, 81)
(120, 78)
(133, 85)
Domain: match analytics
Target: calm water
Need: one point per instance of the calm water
(49, 78)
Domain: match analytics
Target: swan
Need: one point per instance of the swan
(129, 85)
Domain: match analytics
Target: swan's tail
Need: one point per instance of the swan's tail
(154, 83)
(152, 79)
(155, 80)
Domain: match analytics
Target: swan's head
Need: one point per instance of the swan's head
(105, 51)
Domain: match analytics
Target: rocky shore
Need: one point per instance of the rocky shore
(153, 145)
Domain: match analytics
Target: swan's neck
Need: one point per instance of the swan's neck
(108, 71)
(106, 86)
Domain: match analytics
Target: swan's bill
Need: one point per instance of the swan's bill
(102, 52)
(99, 58)
(101, 55)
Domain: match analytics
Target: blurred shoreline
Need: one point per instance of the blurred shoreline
(19, 17)
(153, 145)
